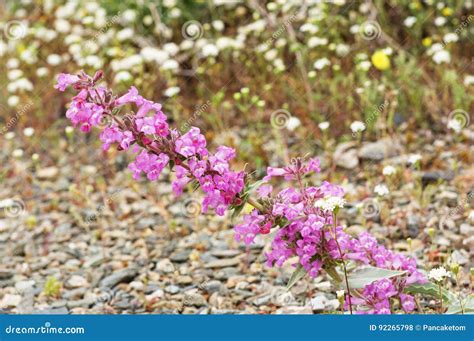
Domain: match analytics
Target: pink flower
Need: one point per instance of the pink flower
(131, 96)
(65, 80)
(191, 143)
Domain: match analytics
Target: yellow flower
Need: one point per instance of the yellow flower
(447, 11)
(381, 60)
(427, 41)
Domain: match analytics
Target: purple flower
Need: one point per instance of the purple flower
(191, 143)
(65, 80)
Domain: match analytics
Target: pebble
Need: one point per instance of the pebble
(10, 301)
(379, 150)
(222, 263)
(47, 173)
(172, 289)
(76, 281)
(165, 266)
(295, 310)
(194, 299)
(120, 276)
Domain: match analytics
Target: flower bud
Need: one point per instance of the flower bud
(431, 232)
(454, 267)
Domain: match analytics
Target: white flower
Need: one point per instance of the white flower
(62, 26)
(126, 33)
(17, 153)
(323, 125)
(271, 54)
(381, 190)
(439, 274)
(414, 158)
(170, 92)
(364, 65)
(321, 63)
(471, 216)
(171, 48)
(129, 15)
(210, 50)
(309, 28)
(293, 123)
(389, 170)
(450, 38)
(54, 59)
(122, 76)
(170, 64)
(409, 21)
(42, 71)
(455, 125)
(357, 126)
(340, 293)
(150, 54)
(316, 41)
(442, 56)
(10, 135)
(13, 101)
(169, 3)
(469, 80)
(14, 74)
(330, 203)
(13, 63)
(69, 130)
(218, 25)
(440, 21)
(28, 131)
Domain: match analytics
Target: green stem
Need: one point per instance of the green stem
(343, 265)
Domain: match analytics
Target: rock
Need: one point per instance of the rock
(466, 229)
(94, 261)
(382, 149)
(225, 253)
(262, 300)
(172, 289)
(448, 198)
(51, 311)
(318, 303)
(345, 155)
(165, 266)
(180, 256)
(460, 256)
(157, 294)
(413, 226)
(84, 303)
(76, 281)
(184, 280)
(23, 286)
(295, 310)
(10, 301)
(5, 274)
(47, 173)
(120, 276)
(223, 263)
(194, 299)
(435, 177)
(137, 285)
(212, 287)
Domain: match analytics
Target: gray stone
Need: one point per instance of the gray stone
(172, 289)
(382, 149)
(180, 256)
(223, 263)
(194, 299)
(165, 266)
(295, 310)
(120, 276)
(345, 155)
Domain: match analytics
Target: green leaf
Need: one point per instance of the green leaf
(430, 289)
(366, 275)
(298, 274)
(467, 306)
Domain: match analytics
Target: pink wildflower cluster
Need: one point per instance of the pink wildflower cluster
(307, 228)
(147, 134)
(304, 216)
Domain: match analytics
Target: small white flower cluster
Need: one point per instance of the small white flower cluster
(381, 190)
(330, 203)
(438, 274)
(389, 170)
(357, 126)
